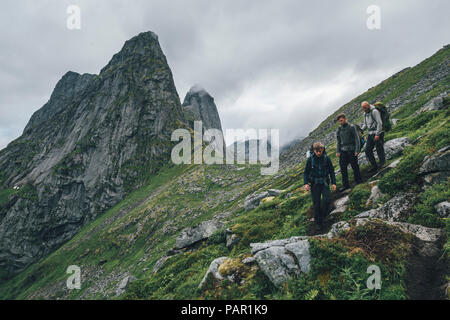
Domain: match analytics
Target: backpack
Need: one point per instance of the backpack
(384, 113)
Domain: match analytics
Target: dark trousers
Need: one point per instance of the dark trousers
(379, 145)
(348, 157)
(320, 207)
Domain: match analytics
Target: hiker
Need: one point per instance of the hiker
(347, 149)
(373, 123)
(316, 178)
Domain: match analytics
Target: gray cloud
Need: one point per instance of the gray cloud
(268, 64)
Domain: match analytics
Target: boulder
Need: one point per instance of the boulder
(375, 194)
(191, 235)
(443, 209)
(253, 200)
(340, 205)
(337, 228)
(398, 208)
(213, 270)
(436, 168)
(282, 259)
(437, 162)
(437, 103)
(392, 148)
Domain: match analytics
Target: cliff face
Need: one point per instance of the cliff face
(98, 137)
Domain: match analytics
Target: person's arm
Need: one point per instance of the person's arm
(364, 125)
(331, 169)
(377, 117)
(307, 171)
(357, 142)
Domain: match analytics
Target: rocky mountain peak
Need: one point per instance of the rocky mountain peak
(200, 105)
(96, 139)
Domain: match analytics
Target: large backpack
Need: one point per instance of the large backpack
(384, 113)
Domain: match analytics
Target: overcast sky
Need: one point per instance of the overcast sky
(268, 64)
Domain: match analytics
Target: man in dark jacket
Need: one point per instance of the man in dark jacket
(374, 125)
(316, 178)
(347, 149)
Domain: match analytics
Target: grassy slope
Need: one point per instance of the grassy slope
(134, 234)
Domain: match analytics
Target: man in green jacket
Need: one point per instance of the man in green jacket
(318, 171)
(347, 149)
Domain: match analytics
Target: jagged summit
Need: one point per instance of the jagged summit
(141, 49)
(96, 139)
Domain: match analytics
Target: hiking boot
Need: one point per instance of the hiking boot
(381, 164)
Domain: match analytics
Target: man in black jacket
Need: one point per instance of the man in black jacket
(347, 149)
(316, 178)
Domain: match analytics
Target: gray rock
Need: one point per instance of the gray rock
(430, 239)
(213, 270)
(123, 285)
(280, 260)
(191, 235)
(398, 208)
(337, 228)
(392, 148)
(340, 205)
(253, 200)
(159, 264)
(375, 194)
(232, 240)
(443, 209)
(436, 163)
(436, 103)
(249, 260)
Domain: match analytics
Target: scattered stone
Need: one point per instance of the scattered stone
(202, 231)
(159, 264)
(398, 208)
(337, 228)
(436, 168)
(437, 103)
(232, 240)
(213, 270)
(375, 194)
(438, 162)
(392, 148)
(253, 200)
(123, 285)
(443, 209)
(249, 260)
(340, 205)
(282, 259)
